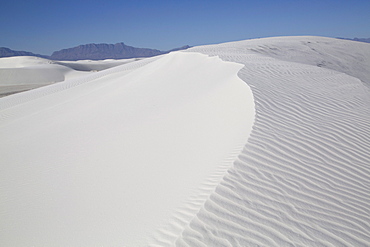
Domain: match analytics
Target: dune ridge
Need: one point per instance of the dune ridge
(23, 73)
(9, 103)
(178, 150)
(110, 158)
(303, 178)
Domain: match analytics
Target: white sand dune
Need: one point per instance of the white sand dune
(175, 150)
(303, 178)
(96, 65)
(23, 73)
(107, 161)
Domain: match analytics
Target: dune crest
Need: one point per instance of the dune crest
(109, 158)
(23, 73)
(303, 177)
(253, 143)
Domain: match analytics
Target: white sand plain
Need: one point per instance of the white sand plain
(254, 143)
(23, 73)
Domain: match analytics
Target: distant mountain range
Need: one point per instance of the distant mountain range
(93, 52)
(6, 52)
(366, 40)
(106, 51)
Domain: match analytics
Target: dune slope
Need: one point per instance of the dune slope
(111, 158)
(177, 151)
(303, 178)
(23, 73)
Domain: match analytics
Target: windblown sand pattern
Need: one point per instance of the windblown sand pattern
(303, 178)
(176, 151)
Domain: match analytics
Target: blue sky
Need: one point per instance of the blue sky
(44, 26)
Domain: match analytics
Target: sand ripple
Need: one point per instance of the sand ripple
(303, 178)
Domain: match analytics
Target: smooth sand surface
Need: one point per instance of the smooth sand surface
(18, 74)
(110, 161)
(260, 142)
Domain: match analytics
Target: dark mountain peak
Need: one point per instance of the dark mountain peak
(103, 51)
(106, 51)
(93, 52)
(120, 44)
(6, 52)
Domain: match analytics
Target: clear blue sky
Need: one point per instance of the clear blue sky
(43, 26)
